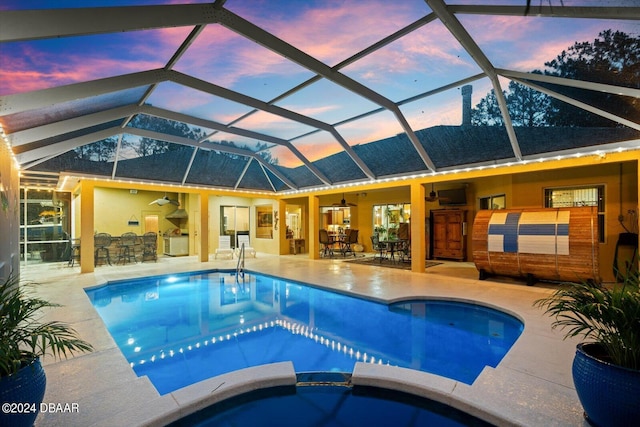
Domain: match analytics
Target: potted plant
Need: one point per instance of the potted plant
(606, 369)
(381, 231)
(24, 339)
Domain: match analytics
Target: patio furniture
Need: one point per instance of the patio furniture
(327, 243)
(101, 242)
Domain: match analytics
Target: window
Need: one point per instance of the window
(387, 218)
(45, 225)
(578, 196)
(493, 202)
(234, 220)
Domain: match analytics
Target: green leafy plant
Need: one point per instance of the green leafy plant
(607, 314)
(23, 336)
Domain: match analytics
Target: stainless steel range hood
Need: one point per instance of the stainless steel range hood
(177, 214)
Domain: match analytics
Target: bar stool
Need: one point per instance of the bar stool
(149, 246)
(102, 241)
(126, 247)
(75, 252)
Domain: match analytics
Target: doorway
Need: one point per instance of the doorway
(152, 224)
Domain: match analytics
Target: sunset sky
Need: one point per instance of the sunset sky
(330, 31)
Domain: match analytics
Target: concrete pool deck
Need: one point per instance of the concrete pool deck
(532, 386)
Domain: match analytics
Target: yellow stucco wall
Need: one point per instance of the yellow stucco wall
(523, 186)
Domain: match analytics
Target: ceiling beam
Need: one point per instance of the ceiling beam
(39, 133)
(172, 115)
(21, 102)
(619, 12)
(61, 147)
(562, 81)
(209, 146)
(24, 25)
(581, 105)
(240, 98)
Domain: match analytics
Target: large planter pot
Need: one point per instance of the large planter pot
(608, 393)
(21, 395)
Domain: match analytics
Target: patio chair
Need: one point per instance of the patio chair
(248, 250)
(224, 248)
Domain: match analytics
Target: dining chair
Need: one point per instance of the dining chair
(327, 243)
(350, 240)
(379, 247)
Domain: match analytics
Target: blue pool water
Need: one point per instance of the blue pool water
(181, 329)
(328, 406)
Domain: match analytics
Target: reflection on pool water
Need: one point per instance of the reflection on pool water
(181, 329)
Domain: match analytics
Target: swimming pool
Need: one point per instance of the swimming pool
(182, 329)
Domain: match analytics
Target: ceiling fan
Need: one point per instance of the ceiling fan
(343, 203)
(432, 195)
(165, 201)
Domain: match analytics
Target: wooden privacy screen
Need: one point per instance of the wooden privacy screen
(549, 244)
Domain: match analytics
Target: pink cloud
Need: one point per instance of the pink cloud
(330, 34)
(224, 57)
(32, 68)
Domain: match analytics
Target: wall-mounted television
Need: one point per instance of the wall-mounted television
(452, 197)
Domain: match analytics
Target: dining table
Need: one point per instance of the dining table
(393, 246)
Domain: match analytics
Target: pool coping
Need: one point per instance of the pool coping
(193, 398)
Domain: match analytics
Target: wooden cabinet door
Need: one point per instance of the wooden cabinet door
(440, 227)
(454, 232)
(448, 237)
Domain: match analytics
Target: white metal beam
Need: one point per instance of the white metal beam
(273, 43)
(619, 12)
(172, 115)
(209, 146)
(225, 93)
(467, 42)
(581, 105)
(21, 102)
(22, 25)
(39, 133)
(561, 81)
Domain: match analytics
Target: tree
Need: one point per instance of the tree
(100, 151)
(527, 107)
(613, 58)
(487, 112)
(149, 146)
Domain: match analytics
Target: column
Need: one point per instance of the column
(418, 215)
